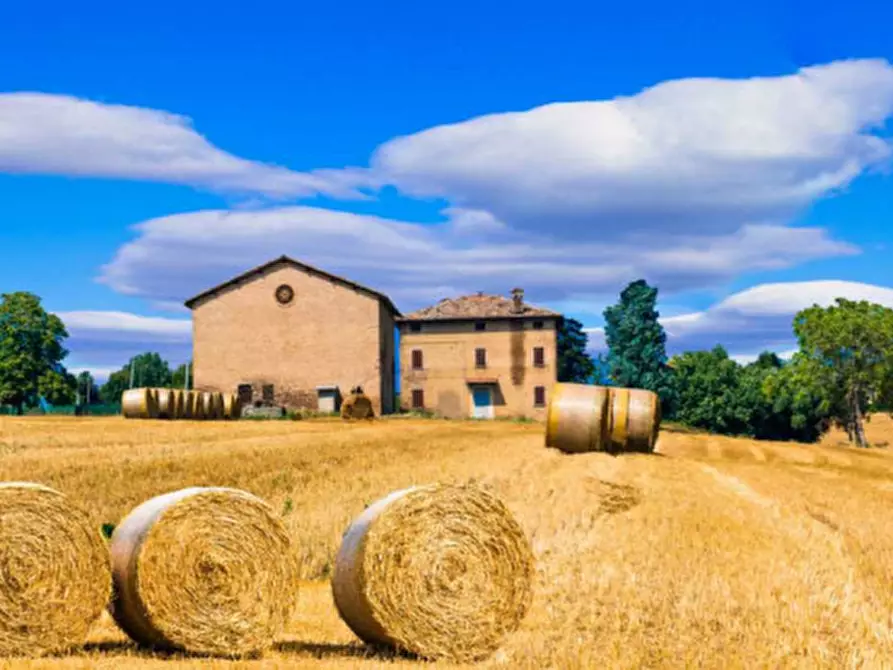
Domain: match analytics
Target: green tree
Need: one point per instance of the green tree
(795, 409)
(57, 387)
(148, 369)
(708, 392)
(574, 364)
(87, 388)
(847, 350)
(637, 355)
(31, 349)
(178, 377)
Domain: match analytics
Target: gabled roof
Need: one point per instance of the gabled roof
(477, 307)
(285, 260)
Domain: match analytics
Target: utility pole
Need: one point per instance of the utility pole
(131, 374)
(186, 382)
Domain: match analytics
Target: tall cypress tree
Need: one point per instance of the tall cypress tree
(637, 355)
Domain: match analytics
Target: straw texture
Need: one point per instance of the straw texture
(203, 570)
(54, 571)
(232, 407)
(443, 572)
(139, 403)
(357, 406)
(583, 418)
(166, 403)
(178, 404)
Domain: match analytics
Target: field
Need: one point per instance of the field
(717, 552)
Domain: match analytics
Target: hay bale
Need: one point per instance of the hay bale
(443, 572)
(139, 403)
(54, 571)
(166, 403)
(178, 404)
(357, 406)
(203, 570)
(635, 420)
(582, 418)
(217, 401)
(232, 407)
(188, 405)
(205, 403)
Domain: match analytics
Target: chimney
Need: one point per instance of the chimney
(517, 300)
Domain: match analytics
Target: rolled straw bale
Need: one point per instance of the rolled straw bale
(578, 418)
(139, 403)
(583, 418)
(357, 406)
(204, 570)
(54, 571)
(217, 401)
(232, 407)
(178, 404)
(204, 405)
(188, 409)
(635, 419)
(166, 406)
(443, 572)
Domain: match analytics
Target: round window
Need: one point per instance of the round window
(284, 294)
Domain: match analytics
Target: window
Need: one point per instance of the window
(480, 325)
(539, 357)
(417, 359)
(537, 325)
(268, 393)
(246, 394)
(480, 358)
(539, 396)
(415, 328)
(418, 399)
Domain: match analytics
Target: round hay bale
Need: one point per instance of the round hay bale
(357, 406)
(582, 418)
(54, 571)
(635, 420)
(188, 405)
(232, 407)
(178, 404)
(166, 403)
(204, 570)
(139, 404)
(443, 572)
(578, 418)
(204, 404)
(217, 400)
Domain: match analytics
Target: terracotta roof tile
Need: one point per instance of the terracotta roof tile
(478, 306)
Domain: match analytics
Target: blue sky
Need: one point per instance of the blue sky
(737, 157)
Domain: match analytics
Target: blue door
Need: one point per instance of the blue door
(483, 402)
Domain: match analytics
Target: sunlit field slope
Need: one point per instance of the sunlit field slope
(717, 552)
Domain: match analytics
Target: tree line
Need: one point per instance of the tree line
(31, 362)
(840, 375)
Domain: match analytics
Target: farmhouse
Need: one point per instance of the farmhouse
(481, 355)
(293, 335)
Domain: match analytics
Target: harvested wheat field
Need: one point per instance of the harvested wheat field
(714, 552)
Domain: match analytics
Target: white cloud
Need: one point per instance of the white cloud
(691, 156)
(756, 319)
(57, 134)
(178, 256)
(103, 341)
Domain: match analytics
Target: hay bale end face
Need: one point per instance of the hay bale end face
(232, 407)
(583, 418)
(139, 403)
(203, 570)
(442, 572)
(357, 406)
(55, 571)
(166, 400)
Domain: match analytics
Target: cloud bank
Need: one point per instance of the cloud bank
(757, 318)
(63, 135)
